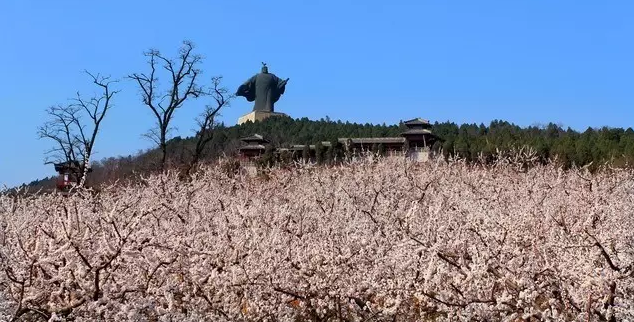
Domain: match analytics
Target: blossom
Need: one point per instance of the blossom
(435, 240)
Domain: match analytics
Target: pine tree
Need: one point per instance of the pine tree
(306, 153)
(268, 159)
(329, 155)
(381, 149)
(319, 150)
(337, 151)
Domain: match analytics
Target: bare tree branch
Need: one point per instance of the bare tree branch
(73, 138)
(605, 254)
(184, 74)
(206, 121)
(60, 130)
(96, 107)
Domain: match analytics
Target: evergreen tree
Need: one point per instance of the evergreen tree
(337, 151)
(462, 147)
(319, 153)
(329, 155)
(448, 148)
(268, 158)
(438, 145)
(306, 153)
(375, 148)
(381, 149)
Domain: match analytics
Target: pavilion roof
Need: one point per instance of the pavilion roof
(255, 138)
(253, 147)
(417, 121)
(417, 131)
(70, 165)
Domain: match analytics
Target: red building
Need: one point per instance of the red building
(69, 174)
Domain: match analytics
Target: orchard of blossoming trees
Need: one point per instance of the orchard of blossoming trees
(383, 240)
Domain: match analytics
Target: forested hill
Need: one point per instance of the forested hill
(467, 140)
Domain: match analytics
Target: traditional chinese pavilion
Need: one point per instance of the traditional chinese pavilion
(69, 174)
(415, 139)
(254, 146)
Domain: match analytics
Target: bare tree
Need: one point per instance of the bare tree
(206, 121)
(96, 108)
(182, 84)
(74, 139)
(60, 128)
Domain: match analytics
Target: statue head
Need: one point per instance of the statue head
(265, 69)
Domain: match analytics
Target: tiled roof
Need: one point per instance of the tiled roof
(416, 121)
(253, 147)
(254, 138)
(70, 166)
(297, 147)
(373, 140)
(416, 131)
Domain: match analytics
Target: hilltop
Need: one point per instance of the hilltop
(569, 147)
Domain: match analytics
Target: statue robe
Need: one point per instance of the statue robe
(265, 89)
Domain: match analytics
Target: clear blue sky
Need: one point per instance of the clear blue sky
(525, 61)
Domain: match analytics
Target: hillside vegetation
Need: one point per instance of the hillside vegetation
(375, 240)
(592, 147)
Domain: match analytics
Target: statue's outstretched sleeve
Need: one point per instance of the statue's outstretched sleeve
(247, 89)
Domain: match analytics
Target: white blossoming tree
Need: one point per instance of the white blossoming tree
(381, 241)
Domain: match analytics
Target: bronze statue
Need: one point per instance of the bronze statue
(263, 88)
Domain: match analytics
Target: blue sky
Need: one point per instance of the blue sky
(528, 62)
